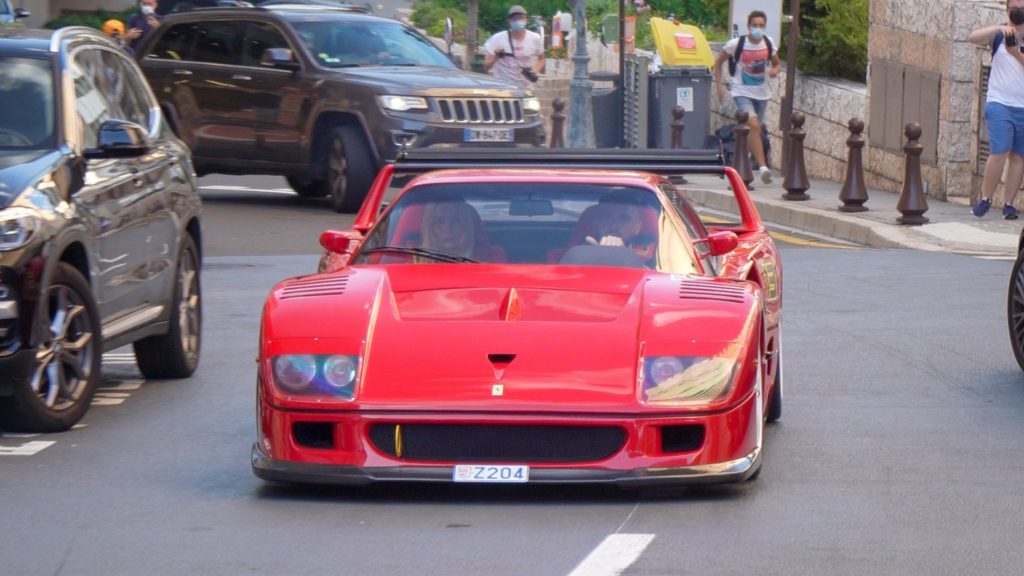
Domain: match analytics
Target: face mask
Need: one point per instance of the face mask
(1017, 16)
(148, 10)
(756, 33)
(519, 24)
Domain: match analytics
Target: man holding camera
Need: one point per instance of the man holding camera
(1004, 109)
(515, 55)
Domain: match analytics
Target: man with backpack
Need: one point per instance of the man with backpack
(753, 61)
(1004, 109)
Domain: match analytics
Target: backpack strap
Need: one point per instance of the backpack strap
(735, 57)
(511, 44)
(771, 49)
(999, 39)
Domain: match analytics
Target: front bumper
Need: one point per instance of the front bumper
(737, 470)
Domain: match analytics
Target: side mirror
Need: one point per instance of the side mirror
(20, 13)
(279, 58)
(720, 243)
(119, 139)
(337, 241)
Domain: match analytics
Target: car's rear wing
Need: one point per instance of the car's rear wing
(665, 162)
(662, 162)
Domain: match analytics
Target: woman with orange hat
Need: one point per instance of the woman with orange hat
(115, 29)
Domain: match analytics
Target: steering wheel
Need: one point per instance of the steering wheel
(10, 137)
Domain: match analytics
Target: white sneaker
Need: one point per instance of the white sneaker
(766, 174)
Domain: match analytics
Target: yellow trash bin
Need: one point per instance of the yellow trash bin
(681, 45)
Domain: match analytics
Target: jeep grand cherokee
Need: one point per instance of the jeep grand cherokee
(323, 96)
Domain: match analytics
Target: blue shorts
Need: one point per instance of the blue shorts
(753, 107)
(1005, 128)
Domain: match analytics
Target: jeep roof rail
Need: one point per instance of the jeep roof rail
(659, 161)
(317, 3)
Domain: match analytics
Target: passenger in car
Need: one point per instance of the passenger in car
(450, 227)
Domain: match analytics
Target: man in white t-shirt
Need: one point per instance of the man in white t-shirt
(756, 63)
(1004, 109)
(515, 55)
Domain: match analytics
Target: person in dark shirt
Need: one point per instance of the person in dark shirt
(142, 23)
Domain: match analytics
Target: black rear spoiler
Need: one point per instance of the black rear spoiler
(660, 161)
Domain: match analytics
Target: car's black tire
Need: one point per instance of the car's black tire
(307, 188)
(176, 353)
(1015, 309)
(775, 396)
(350, 169)
(69, 355)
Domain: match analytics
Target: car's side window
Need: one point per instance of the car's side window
(258, 37)
(93, 82)
(219, 43)
(176, 43)
(129, 94)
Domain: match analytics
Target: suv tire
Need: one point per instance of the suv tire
(70, 354)
(349, 169)
(176, 353)
(306, 188)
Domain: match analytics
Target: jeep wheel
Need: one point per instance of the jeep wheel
(68, 357)
(176, 353)
(349, 169)
(307, 188)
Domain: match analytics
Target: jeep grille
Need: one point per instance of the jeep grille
(481, 110)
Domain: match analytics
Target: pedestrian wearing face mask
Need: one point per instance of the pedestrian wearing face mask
(142, 23)
(1004, 109)
(753, 61)
(515, 55)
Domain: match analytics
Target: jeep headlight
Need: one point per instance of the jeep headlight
(680, 380)
(531, 104)
(332, 375)
(16, 227)
(402, 103)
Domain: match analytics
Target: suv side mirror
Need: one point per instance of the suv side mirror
(20, 13)
(279, 58)
(119, 139)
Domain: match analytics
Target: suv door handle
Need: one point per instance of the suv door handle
(180, 72)
(240, 77)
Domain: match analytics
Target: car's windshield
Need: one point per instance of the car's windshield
(530, 223)
(338, 43)
(26, 104)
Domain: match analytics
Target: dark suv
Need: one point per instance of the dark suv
(323, 96)
(99, 226)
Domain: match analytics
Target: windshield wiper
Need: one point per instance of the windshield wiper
(426, 252)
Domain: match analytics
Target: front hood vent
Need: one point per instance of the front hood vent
(311, 286)
(709, 290)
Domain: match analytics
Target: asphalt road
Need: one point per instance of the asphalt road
(904, 410)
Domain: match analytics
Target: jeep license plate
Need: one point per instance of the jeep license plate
(488, 135)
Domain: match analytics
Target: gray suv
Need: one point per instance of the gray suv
(323, 96)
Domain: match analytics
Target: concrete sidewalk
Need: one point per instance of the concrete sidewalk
(951, 227)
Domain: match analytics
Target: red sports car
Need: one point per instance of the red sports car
(541, 317)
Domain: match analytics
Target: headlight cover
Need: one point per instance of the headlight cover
(531, 104)
(333, 375)
(686, 380)
(402, 103)
(16, 227)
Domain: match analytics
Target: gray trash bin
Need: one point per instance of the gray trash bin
(606, 105)
(689, 87)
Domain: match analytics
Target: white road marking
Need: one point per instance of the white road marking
(616, 553)
(27, 448)
(124, 385)
(288, 191)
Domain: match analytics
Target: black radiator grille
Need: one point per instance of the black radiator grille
(497, 443)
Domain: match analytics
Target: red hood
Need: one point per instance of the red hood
(487, 337)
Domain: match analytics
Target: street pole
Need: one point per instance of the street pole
(581, 119)
(785, 117)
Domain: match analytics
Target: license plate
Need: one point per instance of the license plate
(490, 473)
(488, 135)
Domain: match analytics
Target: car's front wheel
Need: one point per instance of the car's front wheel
(307, 188)
(68, 356)
(1015, 309)
(176, 353)
(349, 169)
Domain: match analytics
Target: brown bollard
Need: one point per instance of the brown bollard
(741, 156)
(558, 124)
(677, 126)
(913, 203)
(796, 183)
(854, 193)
